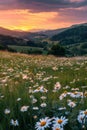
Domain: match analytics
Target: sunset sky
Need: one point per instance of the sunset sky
(41, 14)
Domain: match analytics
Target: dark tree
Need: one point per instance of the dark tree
(58, 50)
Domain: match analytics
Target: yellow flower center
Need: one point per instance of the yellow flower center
(81, 118)
(65, 92)
(72, 104)
(38, 88)
(75, 93)
(60, 121)
(85, 112)
(57, 129)
(85, 94)
(43, 123)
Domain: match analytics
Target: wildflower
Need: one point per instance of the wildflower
(63, 95)
(24, 108)
(35, 108)
(82, 116)
(31, 96)
(71, 104)
(57, 86)
(75, 89)
(7, 111)
(24, 76)
(60, 121)
(54, 68)
(43, 97)
(81, 113)
(35, 117)
(40, 89)
(2, 96)
(62, 108)
(83, 126)
(43, 123)
(18, 99)
(75, 94)
(85, 94)
(43, 105)
(80, 119)
(14, 122)
(34, 100)
(30, 90)
(66, 87)
(57, 127)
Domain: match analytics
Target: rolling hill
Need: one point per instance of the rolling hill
(74, 39)
(22, 34)
(16, 44)
(73, 35)
(10, 40)
(31, 35)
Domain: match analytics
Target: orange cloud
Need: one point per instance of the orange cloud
(25, 20)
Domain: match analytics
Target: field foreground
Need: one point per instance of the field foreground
(42, 92)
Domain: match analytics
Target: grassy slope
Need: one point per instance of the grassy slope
(24, 48)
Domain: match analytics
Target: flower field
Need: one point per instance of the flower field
(42, 92)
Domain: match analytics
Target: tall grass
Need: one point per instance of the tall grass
(21, 75)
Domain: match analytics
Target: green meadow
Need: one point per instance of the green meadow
(33, 87)
(26, 49)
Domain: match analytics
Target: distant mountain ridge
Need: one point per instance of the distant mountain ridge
(20, 34)
(50, 33)
(73, 39)
(72, 35)
(4, 31)
(39, 34)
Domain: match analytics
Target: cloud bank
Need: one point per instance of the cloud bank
(42, 5)
(50, 14)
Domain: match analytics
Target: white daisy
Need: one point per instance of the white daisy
(57, 86)
(63, 95)
(18, 99)
(62, 108)
(43, 123)
(81, 113)
(72, 104)
(7, 111)
(41, 89)
(43, 105)
(24, 108)
(82, 116)
(34, 100)
(43, 97)
(24, 76)
(60, 121)
(81, 119)
(56, 127)
(35, 108)
(14, 122)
